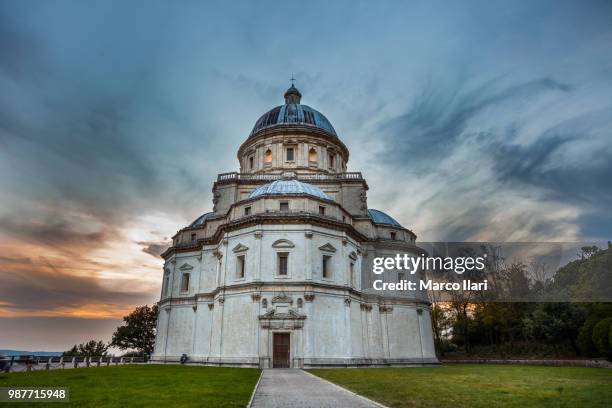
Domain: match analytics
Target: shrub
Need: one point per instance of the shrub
(601, 337)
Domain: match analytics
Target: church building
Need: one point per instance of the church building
(279, 274)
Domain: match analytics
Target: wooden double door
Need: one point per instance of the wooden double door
(281, 347)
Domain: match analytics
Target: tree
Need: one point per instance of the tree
(601, 337)
(138, 332)
(555, 323)
(440, 323)
(587, 251)
(92, 348)
(596, 313)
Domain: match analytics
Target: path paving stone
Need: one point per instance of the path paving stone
(297, 389)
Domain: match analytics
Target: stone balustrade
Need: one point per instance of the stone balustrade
(235, 176)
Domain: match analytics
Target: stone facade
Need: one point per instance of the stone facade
(290, 261)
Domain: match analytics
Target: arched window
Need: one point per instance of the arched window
(268, 157)
(312, 155)
(331, 162)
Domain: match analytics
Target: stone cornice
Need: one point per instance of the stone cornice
(395, 245)
(294, 288)
(263, 218)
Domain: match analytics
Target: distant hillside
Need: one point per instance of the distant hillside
(588, 279)
(30, 353)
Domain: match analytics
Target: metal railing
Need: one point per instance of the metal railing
(28, 363)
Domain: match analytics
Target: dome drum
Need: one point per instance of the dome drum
(295, 136)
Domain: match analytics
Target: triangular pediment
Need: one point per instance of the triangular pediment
(328, 248)
(240, 248)
(283, 243)
(289, 315)
(185, 267)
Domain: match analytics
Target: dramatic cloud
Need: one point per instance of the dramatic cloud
(470, 122)
(155, 248)
(498, 180)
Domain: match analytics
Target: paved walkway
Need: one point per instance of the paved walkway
(296, 388)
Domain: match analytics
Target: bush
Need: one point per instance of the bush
(601, 337)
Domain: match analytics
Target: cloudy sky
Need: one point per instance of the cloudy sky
(473, 121)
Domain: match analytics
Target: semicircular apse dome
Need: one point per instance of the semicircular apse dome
(379, 217)
(288, 187)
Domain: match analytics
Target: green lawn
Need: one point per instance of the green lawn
(478, 385)
(143, 386)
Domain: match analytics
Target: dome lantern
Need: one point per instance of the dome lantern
(292, 95)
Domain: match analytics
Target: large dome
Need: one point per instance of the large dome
(288, 187)
(293, 113)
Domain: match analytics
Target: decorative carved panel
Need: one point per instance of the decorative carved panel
(282, 298)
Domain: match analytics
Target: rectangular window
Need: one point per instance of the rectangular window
(283, 262)
(284, 206)
(326, 266)
(401, 276)
(393, 235)
(251, 163)
(240, 266)
(321, 210)
(331, 161)
(185, 283)
(247, 210)
(194, 236)
(352, 274)
(290, 154)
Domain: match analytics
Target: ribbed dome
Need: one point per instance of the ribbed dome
(293, 113)
(288, 187)
(379, 217)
